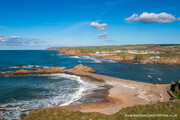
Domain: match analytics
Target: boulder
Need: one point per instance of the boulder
(84, 68)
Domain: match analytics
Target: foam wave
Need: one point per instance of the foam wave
(99, 60)
(28, 66)
(73, 56)
(60, 96)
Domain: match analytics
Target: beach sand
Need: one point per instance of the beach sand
(121, 94)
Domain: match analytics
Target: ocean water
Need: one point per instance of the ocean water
(42, 91)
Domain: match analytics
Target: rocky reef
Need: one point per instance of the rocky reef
(50, 70)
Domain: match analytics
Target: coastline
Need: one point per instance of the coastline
(131, 58)
(121, 94)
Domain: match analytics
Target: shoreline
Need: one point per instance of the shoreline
(131, 58)
(121, 94)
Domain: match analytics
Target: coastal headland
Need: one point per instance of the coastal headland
(142, 54)
(121, 93)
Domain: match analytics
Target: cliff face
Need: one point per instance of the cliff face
(124, 58)
(69, 51)
(168, 60)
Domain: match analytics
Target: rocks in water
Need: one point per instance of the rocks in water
(8, 106)
(84, 68)
(50, 70)
(2, 110)
(22, 116)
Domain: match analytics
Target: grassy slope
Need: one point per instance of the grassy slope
(158, 108)
(93, 49)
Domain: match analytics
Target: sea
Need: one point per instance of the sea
(24, 93)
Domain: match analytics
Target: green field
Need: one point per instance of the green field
(93, 49)
(164, 108)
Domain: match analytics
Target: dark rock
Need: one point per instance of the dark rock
(22, 116)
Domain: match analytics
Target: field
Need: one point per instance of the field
(152, 47)
(93, 49)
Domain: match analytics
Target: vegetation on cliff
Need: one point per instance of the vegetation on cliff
(175, 88)
(164, 108)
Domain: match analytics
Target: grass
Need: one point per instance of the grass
(165, 108)
(175, 88)
(93, 49)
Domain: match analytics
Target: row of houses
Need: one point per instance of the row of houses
(128, 51)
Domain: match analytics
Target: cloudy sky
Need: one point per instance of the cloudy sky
(38, 24)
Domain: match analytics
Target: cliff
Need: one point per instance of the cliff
(142, 59)
(168, 60)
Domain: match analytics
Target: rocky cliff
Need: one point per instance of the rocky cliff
(142, 59)
(169, 60)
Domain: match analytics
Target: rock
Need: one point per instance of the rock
(143, 59)
(2, 110)
(69, 51)
(50, 70)
(8, 106)
(84, 68)
(22, 71)
(22, 116)
(168, 60)
(130, 57)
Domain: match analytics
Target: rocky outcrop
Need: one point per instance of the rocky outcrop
(143, 59)
(169, 60)
(50, 70)
(84, 68)
(69, 51)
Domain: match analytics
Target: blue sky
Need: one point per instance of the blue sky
(38, 24)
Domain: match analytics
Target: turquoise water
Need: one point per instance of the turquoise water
(31, 92)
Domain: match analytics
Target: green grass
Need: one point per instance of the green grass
(170, 108)
(93, 49)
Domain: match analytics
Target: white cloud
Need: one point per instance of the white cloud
(19, 41)
(102, 35)
(98, 26)
(178, 19)
(152, 18)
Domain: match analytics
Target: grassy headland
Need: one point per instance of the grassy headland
(163, 108)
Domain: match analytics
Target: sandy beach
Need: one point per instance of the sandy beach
(123, 93)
